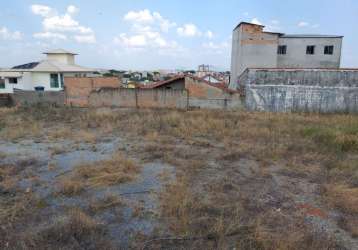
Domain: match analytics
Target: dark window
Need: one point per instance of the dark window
(282, 50)
(328, 50)
(13, 80)
(2, 83)
(310, 50)
(54, 81)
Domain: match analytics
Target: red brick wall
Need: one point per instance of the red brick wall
(78, 89)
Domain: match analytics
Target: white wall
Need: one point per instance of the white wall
(8, 88)
(62, 58)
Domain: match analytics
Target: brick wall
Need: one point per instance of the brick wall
(78, 89)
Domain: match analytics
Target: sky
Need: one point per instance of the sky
(161, 34)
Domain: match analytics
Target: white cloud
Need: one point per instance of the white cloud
(42, 10)
(255, 20)
(189, 30)
(85, 38)
(71, 9)
(6, 34)
(145, 17)
(209, 34)
(148, 31)
(303, 24)
(136, 41)
(50, 35)
(142, 16)
(60, 26)
(246, 14)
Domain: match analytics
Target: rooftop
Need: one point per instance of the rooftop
(309, 36)
(282, 35)
(48, 66)
(59, 51)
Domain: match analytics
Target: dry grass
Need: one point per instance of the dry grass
(101, 174)
(320, 148)
(76, 230)
(343, 197)
(104, 203)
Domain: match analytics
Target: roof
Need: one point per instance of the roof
(49, 66)
(59, 51)
(163, 83)
(221, 85)
(309, 36)
(26, 66)
(241, 23)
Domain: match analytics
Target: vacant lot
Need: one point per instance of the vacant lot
(149, 179)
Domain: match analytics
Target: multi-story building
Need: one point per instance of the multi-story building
(252, 47)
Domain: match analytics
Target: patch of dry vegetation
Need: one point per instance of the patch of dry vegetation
(318, 148)
(101, 174)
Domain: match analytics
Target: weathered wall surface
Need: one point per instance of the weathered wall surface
(29, 97)
(78, 89)
(159, 98)
(307, 77)
(296, 56)
(138, 98)
(283, 98)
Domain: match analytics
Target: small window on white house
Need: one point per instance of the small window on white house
(328, 50)
(2, 83)
(282, 50)
(54, 81)
(13, 80)
(310, 50)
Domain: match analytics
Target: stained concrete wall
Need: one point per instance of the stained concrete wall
(296, 56)
(29, 97)
(306, 77)
(284, 98)
(138, 98)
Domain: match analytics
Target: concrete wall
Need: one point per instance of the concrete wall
(138, 98)
(296, 56)
(159, 98)
(27, 97)
(252, 47)
(78, 89)
(283, 98)
(307, 77)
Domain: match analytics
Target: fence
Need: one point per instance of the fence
(30, 97)
(5, 100)
(138, 98)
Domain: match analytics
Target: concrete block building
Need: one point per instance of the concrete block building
(252, 47)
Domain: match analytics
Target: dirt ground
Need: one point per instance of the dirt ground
(169, 179)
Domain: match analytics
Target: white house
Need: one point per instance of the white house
(47, 75)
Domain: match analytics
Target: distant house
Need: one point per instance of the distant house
(47, 75)
(196, 87)
(211, 79)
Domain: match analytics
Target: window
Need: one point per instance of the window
(13, 80)
(310, 50)
(54, 81)
(2, 83)
(328, 50)
(62, 80)
(282, 50)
